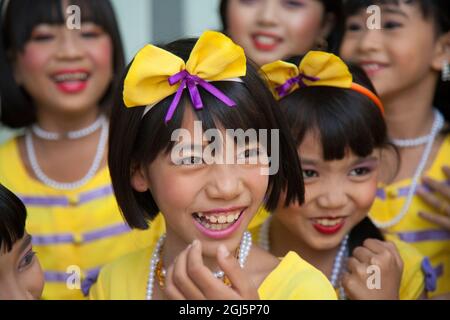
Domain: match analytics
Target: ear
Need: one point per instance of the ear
(441, 52)
(139, 180)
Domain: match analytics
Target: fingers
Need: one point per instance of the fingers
(363, 254)
(240, 282)
(203, 278)
(441, 206)
(441, 187)
(181, 278)
(437, 219)
(170, 289)
(385, 252)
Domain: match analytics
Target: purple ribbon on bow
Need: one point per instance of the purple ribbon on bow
(190, 81)
(284, 89)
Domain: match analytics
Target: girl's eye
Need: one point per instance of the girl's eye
(27, 260)
(249, 153)
(248, 2)
(353, 27)
(191, 161)
(360, 171)
(308, 174)
(294, 4)
(91, 34)
(43, 37)
(391, 25)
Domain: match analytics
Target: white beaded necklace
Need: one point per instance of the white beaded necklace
(338, 261)
(438, 124)
(71, 185)
(244, 250)
(72, 135)
(410, 143)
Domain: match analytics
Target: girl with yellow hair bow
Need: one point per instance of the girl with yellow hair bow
(205, 252)
(337, 122)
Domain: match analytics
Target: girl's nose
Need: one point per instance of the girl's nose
(70, 46)
(224, 183)
(333, 197)
(268, 14)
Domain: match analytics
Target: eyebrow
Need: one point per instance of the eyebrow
(308, 161)
(362, 160)
(393, 10)
(26, 242)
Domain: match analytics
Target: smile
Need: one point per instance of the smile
(218, 224)
(328, 225)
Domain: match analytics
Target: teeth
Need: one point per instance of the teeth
(329, 222)
(371, 67)
(266, 40)
(214, 222)
(71, 76)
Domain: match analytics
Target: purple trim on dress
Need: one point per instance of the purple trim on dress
(91, 278)
(427, 235)
(96, 194)
(106, 232)
(430, 275)
(62, 201)
(85, 238)
(439, 270)
(53, 239)
(44, 201)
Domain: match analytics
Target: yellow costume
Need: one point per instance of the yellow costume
(431, 240)
(292, 279)
(413, 279)
(74, 232)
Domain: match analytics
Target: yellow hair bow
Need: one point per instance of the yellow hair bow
(317, 68)
(156, 73)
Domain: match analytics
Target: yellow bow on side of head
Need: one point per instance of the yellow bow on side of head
(156, 73)
(317, 68)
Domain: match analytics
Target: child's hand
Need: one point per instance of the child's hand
(442, 204)
(386, 257)
(188, 278)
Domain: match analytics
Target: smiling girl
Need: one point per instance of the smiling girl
(408, 63)
(270, 30)
(56, 83)
(337, 122)
(206, 252)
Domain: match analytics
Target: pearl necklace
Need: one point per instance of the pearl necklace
(72, 135)
(410, 143)
(438, 124)
(338, 261)
(72, 185)
(244, 250)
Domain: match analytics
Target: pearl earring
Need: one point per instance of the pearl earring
(446, 71)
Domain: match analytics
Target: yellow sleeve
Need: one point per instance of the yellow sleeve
(296, 279)
(412, 285)
(100, 289)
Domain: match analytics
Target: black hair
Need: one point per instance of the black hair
(138, 141)
(331, 6)
(436, 10)
(12, 219)
(17, 21)
(345, 120)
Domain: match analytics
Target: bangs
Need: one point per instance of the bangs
(344, 120)
(20, 23)
(12, 219)
(214, 115)
(352, 7)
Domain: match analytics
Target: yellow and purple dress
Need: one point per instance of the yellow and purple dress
(293, 279)
(429, 239)
(412, 285)
(74, 232)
